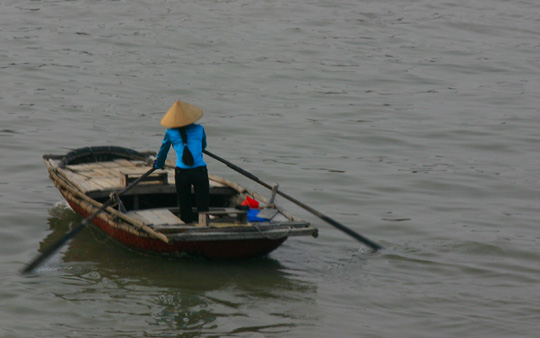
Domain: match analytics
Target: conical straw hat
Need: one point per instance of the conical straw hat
(181, 114)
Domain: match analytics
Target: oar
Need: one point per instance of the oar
(325, 218)
(53, 248)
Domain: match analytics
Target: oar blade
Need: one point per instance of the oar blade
(56, 246)
(53, 249)
(352, 233)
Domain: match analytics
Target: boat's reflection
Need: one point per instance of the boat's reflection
(185, 293)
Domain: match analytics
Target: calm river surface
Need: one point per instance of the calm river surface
(415, 123)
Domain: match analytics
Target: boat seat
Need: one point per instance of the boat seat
(204, 216)
(157, 177)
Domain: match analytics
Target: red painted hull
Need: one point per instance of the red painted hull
(227, 249)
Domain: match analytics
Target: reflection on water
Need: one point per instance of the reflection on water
(190, 295)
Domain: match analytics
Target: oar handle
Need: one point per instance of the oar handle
(325, 218)
(56, 246)
(237, 168)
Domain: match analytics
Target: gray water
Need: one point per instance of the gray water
(415, 123)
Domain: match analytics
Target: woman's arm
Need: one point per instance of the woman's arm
(163, 151)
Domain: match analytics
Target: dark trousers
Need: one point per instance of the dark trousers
(198, 178)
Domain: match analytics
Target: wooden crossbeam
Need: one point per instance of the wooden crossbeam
(157, 177)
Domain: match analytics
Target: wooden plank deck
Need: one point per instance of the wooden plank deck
(98, 180)
(161, 220)
(160, 216)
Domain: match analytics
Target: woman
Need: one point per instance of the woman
(188, 140)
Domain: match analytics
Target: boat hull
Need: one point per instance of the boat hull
(145, 218)
(224, 249)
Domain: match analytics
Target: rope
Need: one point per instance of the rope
(279, 236)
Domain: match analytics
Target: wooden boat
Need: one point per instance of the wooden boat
(146, 217)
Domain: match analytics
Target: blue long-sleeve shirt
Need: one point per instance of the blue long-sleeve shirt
(196, 144)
